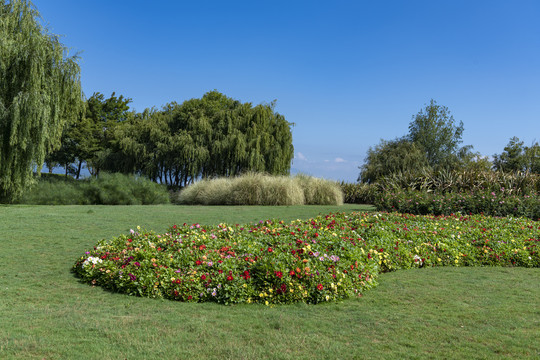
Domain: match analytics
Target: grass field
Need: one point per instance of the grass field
(46, 313)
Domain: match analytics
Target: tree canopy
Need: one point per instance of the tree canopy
(516, 157)
(40, 92)
(207, 137)
(432, 142)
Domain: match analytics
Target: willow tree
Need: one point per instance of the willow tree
(40, 92)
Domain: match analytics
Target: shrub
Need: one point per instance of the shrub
(55, 192)
(322, 259)
(108, 189)
(260, 189)
(496, 203)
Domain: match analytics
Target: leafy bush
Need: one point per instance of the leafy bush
(500, 203)
(358, 193)
(54, 192)
(322, 259)
(108, 189)
(460, 181)
(261, 189)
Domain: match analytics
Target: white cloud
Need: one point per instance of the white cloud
(340, 160)
(300, 156)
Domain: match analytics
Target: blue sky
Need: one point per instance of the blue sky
(347, 73)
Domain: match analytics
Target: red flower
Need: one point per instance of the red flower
(229, 278)
(190, 297)
(198, 262)
(316, 235)
(279, 274)
(291, 272)
(319, 287)
(270, 249)
(220, 271)
(203, 277)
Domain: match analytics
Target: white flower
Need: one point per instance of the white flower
(92, 260)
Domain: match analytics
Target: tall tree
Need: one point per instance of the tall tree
(434, 130)
(40, 91)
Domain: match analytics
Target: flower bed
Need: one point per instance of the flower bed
(327, 258)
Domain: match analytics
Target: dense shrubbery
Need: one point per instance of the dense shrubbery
(468, 192)
(460, 181)
(358, 193)
(108, 189)
(500, 203)
(322, 259)
(260, 189)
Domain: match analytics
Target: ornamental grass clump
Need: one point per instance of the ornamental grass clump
(262, 189)
(327, 258)
(319, 191)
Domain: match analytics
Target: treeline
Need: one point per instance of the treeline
(200, 138)
(433, 144)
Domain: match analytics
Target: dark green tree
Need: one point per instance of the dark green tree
(516, 157)
(40, 91)
(388, 157)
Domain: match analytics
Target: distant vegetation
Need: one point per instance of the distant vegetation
(200, 138)
(260, 189)
(108, 189)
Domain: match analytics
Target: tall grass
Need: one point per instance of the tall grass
(261, 189)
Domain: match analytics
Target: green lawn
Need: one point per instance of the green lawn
(46, 313)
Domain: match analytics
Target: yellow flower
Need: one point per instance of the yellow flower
(245, 285)
(266, 302)
(261, 295)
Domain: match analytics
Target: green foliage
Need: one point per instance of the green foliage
(434, 130)
(208, 137)
(321, 259)
(389, 157)
(358, 193)
(108, 189)
(518, 158)
(262, 189)
(460, 181)
(495, 203)
(40, 92)
(432, 142)
(469, 192)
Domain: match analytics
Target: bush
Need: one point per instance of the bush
(499, 203)
(322, 259)
(108, 189)
(55, 192)
(260, 189)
